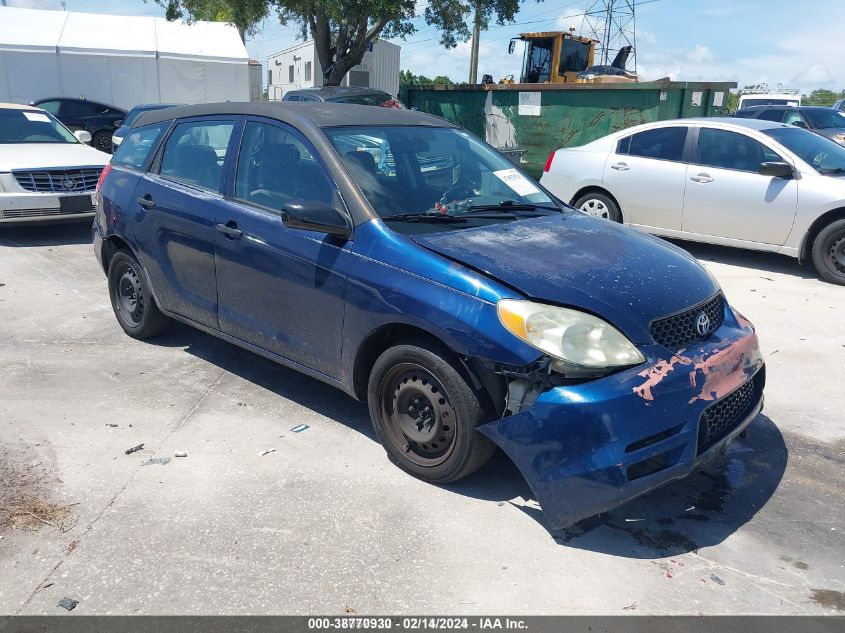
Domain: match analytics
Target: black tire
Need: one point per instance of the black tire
(829, 253)
(600, 205)
(133, 303)
(102, 141)
(436, 440)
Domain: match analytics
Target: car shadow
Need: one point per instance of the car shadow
(754, 260)
(37, 234)
(698, 511)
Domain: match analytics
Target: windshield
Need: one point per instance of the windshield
(378, 99)
(821, 119)
(32, 126)
(428, 171)
(536, 66)
(825, 155)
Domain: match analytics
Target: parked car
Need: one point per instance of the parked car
(126, 124)
(465, 306)
(839, 105)
(47, 173)
(98, 119)
(821, 120)
(343, 94)
(737, 182)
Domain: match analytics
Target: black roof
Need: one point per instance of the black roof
(769, 106)
(328, 92)
(300, 115)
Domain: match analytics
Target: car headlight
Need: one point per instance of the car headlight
(576, 341)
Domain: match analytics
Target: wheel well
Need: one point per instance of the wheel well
(820, 222)
(110, 246)
(595, 189)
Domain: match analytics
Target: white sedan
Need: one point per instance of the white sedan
(47, 173)
(736, 182)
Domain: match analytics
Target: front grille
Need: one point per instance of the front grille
(59, 180)
(722, 417)
(10, 214)
(682, 329)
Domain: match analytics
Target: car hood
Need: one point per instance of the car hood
(626, 277)
(15, 156)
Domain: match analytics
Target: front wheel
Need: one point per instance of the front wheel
(599, 205)
(425, 414)
(829, 253)
(131, 299)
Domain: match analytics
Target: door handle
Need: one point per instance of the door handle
(147, 202)
(701, 178)
(620, 166)
(232, 232)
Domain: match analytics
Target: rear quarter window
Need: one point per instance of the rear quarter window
(138, 145)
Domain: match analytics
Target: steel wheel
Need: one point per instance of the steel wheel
(419, 419)
(102, 142)
(836, 253)
(129, 295)
(595, 207)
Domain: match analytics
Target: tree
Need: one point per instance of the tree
(821, 96)
(407, 78)
(243, 14)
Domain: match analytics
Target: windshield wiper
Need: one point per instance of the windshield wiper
(424, 217)
(506, 206)
(832, 170)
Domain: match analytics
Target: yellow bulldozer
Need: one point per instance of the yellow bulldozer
(557, 57)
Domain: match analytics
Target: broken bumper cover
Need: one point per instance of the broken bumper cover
(585, 449)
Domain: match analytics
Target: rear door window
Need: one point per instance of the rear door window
(275, 167)
(771, 115)
(51, 106)
(730, 150)
(195, 151)
(664, 143)
(138, 145)
(78, 108)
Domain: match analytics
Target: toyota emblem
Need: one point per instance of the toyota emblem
(68, 184)
(702, 324)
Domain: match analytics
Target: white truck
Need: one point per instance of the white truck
(760, 95)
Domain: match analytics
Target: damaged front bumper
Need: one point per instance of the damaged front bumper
(587, 448)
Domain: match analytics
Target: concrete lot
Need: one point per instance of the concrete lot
(326, 522)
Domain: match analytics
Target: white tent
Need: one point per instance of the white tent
(119, 60)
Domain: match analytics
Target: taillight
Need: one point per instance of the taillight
(102, 177)
(549, 162)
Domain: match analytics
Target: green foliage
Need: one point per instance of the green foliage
(823, 97)
(243, 14)
(407, 78)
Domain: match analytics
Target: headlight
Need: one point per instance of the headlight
(576, 341)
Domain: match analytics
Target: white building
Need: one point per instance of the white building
(121, 60)
(298, 67)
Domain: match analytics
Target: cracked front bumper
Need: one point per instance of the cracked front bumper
(585, 449)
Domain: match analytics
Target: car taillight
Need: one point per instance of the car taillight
(102, 177)
(549, 162)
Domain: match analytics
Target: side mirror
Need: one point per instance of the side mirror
(118, 123)
(799, 123)
(777, 170)
(82, 136)
(315, 216)
(511, 46)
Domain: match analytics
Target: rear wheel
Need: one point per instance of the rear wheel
(599, 205)
(425, 414)
(829, 252)
(131, 299)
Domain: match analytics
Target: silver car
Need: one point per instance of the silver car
(736, 182)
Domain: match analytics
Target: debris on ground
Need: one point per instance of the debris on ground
(43, 586)
(24, 497)
(180, 454)
(350, 610)
(716, 579)
(68, 603)
(161, 461)
(630, 607)
(299, 428)
(114, 426)
(267, 452)
(134, 449)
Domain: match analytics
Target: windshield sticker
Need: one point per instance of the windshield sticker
(516, 181)
(37, 116)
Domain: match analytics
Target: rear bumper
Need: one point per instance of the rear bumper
(588, 448)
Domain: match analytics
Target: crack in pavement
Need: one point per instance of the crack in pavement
(223, 371)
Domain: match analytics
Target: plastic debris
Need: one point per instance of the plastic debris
(299, 428)
(350, 610)
(68, 603)
(716, 579)
(267, 452)
(180, 454)
(161, 461)
(134, 449)
(114, 426)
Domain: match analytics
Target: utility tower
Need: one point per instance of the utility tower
(613, 23)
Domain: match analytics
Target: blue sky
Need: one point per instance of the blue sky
(748, 41)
